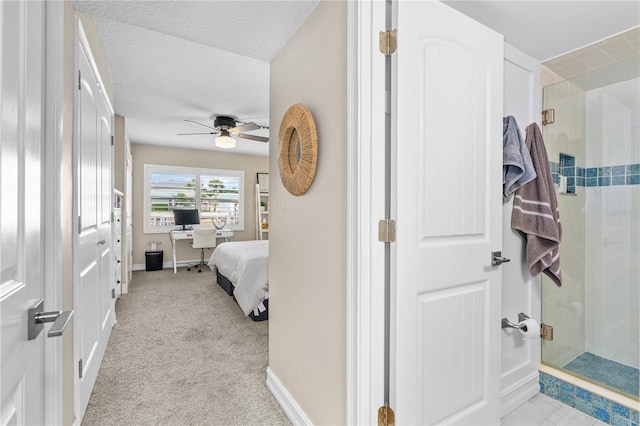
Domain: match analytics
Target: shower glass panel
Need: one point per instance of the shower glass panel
(594, 154)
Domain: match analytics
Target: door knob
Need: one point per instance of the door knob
(497, 259)
(36, 318)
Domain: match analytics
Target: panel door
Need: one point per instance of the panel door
(21, 234)
(94, 282)
(448, 127)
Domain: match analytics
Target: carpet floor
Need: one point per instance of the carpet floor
(183, 353)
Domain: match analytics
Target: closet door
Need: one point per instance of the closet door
(93, 258)
(446, 295)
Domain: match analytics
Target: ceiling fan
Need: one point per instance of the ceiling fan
(229, 128)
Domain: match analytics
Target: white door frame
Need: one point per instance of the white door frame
(365, 207)
(53, 205)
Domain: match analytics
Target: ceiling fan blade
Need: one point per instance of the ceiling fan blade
(200, 124)
(247, 127)
(205, 133)
(252, 137)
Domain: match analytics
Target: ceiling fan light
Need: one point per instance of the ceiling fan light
(225, 141)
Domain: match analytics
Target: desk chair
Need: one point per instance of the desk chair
(203, 238)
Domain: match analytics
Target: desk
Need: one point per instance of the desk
(188, 235)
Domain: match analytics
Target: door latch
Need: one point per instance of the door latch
(36, 318)
(497, 259)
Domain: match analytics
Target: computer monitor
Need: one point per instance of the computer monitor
(184, 217)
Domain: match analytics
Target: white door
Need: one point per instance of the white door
(94, 304)
(448, 121)
(21, 234)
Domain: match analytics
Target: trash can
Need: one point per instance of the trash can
(153, 260)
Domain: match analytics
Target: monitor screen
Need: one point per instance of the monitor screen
(185, 217)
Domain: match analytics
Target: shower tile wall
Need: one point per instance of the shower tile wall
(612, 216)
(563, 308)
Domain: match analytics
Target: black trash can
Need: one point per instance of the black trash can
(153, 260)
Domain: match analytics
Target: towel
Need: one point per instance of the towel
(535, 213)
(517, 169)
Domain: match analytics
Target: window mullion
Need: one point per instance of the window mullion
(198, 188)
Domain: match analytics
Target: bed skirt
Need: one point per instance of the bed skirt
(228, 287)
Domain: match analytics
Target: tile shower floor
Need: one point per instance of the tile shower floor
(612, 374)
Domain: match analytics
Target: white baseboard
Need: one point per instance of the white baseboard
(519, 393)
(169, 265)
(286, 401)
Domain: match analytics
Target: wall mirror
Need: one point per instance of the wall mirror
(298, 149)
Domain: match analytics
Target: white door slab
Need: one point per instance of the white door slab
(93, 269)
(22, 27)
(446, 300)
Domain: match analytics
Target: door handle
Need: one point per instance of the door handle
(36, 318)
(497, 259)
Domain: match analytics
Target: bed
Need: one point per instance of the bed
(241, 269)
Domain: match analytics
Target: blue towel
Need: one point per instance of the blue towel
(517, 166)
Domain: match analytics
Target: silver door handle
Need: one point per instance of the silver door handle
(497, 259)
(36, 318)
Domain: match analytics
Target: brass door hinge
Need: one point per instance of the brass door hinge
(548, 116)
(388, 42)
(546, 331)
(386, 416)
(387, 231)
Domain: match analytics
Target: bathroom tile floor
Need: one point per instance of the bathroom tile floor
(614, 375)
(542, 410)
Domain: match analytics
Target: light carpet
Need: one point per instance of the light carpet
(183, 353)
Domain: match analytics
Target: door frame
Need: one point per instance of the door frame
(54, 204)
(365, 207)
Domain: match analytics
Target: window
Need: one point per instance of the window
(216, 193)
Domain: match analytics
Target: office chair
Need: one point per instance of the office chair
(203, 238)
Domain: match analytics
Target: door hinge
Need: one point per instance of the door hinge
(388, 42)
(113, 293)
(79, 80)
(386, 416)
(548, 116)
(79, 224)
(387, 231)
(112, 140)
(546, 331)
(80, 368)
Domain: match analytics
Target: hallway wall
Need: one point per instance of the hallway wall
(308, 249)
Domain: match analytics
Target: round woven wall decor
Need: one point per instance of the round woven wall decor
(298, 149)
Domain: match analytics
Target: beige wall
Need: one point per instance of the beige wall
(307, 254)
(91, 32)
(149, 154)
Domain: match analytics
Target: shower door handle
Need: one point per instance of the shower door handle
(497, 259)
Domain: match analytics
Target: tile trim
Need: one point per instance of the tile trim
(617, 175)
(599, 403)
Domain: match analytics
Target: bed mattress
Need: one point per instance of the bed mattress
(245, 265)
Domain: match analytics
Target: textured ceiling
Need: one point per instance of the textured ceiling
(177, 60)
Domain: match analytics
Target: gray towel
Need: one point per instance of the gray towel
(535, 213)
(517, 168)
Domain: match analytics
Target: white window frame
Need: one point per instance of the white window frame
(198, 172)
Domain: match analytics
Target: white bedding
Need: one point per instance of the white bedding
(245, 264)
